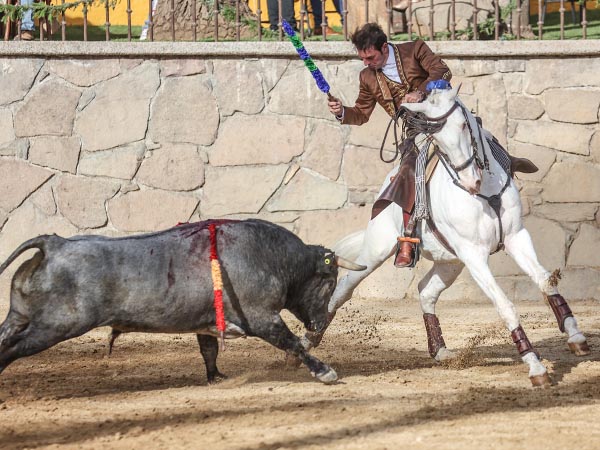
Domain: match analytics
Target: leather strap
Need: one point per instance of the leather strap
(520, 339)
(435, 340)
(560, 308)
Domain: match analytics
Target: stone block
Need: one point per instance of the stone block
(546, 73)
(595, 147)
(323, 149)
(180, 67)
(492, 105)
(238, 86)
(242, 140)
(585, 248)
(549, 241)
(17, 76)
(82, 201)
(43, 199)
(121, 162)
(579, 284)
(328, 227)
(178, 114)
(473, 67)
(307, 99)
(308, 191)
(48, 109)
(84, 72)
(513, 83)
(60, 153)
(573, 105)
(362, 169)
(542, 157)
(235, 190)
(565, 137)
(7, 132)
(567, 212)
(119, 112)
(511, 65)
(523, 107)
(173, 167)
(27, 222)
(150, 210)
(18, 181)
(271, 70)
(371, 133)
(572, 181)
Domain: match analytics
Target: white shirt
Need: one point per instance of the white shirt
(390, 69)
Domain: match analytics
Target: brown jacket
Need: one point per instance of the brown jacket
(417, 66)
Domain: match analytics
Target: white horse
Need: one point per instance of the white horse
(472, 230)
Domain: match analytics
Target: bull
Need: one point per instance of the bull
(161, 283)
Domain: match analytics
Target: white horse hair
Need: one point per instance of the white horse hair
(471, 228)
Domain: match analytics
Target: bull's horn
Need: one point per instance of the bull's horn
(341, 262)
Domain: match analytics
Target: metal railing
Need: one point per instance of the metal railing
(46, 13)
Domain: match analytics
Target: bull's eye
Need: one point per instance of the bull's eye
(327, 261)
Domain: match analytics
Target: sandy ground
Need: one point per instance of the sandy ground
(152, 392)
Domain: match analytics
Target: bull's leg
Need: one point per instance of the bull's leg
(439, 278)
(475, 259)
(209, 347)
(520, 247)
(276, 332)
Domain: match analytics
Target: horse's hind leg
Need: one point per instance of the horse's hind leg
(475, 259)
(520, 247)
(438, 279)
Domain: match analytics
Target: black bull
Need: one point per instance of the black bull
(161, 282)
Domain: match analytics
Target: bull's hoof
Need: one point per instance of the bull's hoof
(327, 377)
(216, 378)
(292, 361)
(543, 381)
(579, 348)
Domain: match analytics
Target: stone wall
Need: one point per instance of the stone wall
(119, 138)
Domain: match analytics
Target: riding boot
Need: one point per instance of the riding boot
(522, 165)
(405, 252)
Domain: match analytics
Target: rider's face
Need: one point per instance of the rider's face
(373, 58)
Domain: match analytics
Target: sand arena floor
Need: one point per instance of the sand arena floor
(152, 392)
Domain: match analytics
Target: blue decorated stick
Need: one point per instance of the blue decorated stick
(308, 62)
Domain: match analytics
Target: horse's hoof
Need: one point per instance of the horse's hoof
(291, 361)
(327, 377)
(542, 381)
(444, 354)
(579, 348)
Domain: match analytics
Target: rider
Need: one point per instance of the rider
(396, 74)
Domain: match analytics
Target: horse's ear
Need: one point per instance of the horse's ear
(454, 92)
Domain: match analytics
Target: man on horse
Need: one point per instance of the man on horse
(396, 74)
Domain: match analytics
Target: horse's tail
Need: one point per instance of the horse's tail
(349, 246)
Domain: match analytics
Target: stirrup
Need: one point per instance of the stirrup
(403, 259)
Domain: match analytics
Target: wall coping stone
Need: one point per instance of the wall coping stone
(283, 49)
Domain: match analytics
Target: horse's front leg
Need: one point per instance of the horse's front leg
(476, 260)
(520, 247)
(378, 245)
(438, 279)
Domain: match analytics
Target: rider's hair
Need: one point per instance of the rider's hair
(367, 36)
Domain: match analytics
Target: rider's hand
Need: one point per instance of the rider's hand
(335, 106)
(414, 97)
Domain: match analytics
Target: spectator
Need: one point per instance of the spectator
(287, 13)
(317, 11)
(27, 25)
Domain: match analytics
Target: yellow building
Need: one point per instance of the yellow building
(118, 15)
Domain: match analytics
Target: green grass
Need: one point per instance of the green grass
(117, 33)
(551, 27)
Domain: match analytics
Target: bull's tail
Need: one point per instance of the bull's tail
(40, 242)
(349, 246)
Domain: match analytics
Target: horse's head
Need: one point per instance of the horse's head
(454, 137)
